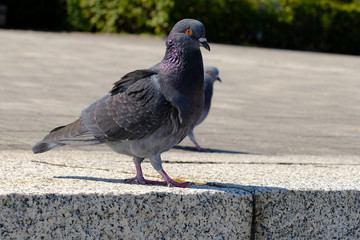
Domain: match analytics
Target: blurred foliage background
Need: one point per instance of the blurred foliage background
(315, 25)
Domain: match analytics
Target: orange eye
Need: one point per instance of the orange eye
(209, 72)
(188, 31)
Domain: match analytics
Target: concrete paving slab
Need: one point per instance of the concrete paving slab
(270, 102)
(283, 131)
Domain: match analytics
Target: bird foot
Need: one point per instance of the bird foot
(198, 148)
(143, 181)
(173, 183)
(170, 183)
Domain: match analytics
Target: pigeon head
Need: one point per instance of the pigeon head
(211, 74)
(190, 31)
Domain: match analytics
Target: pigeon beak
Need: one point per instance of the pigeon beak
(218, 78)
(204, 43)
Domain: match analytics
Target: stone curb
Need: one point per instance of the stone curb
(154, 215)
(279, 214)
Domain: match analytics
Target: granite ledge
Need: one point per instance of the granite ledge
(154, 215)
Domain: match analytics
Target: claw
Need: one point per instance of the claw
(140, 177)
(143, 181)
(172, 183)
(169, 182)
(179, 184)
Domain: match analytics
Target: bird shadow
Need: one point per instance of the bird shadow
(220, 186)
(210, 150)
(107, 180)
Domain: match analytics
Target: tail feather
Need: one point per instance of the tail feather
(57, 128)
(41, 147)
(73, 134)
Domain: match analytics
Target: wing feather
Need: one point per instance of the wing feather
(131, 112)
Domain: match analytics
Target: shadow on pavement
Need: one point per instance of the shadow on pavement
(193, 149)
(226, 187)
(95, 179)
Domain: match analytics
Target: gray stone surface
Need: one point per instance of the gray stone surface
(284, 129)
(153, 215)
(72, 195)
(307, 214)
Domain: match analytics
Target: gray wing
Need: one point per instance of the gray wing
(131, 111)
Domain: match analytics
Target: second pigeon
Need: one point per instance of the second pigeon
(211, 74)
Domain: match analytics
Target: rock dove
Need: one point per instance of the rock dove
(211, 74)
(147, 111)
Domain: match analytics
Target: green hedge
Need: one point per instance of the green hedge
(132, 16)
(320, 25)
(325, 25)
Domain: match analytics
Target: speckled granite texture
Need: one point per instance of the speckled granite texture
(81, 195)
(156, 215)
(307, 215)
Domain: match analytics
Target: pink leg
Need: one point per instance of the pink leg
(140, 177)
(200, 149)
(171, 182)
(141, 180)
(193, 139)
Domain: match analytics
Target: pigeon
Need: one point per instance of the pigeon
(147, 111)
(211, 74)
